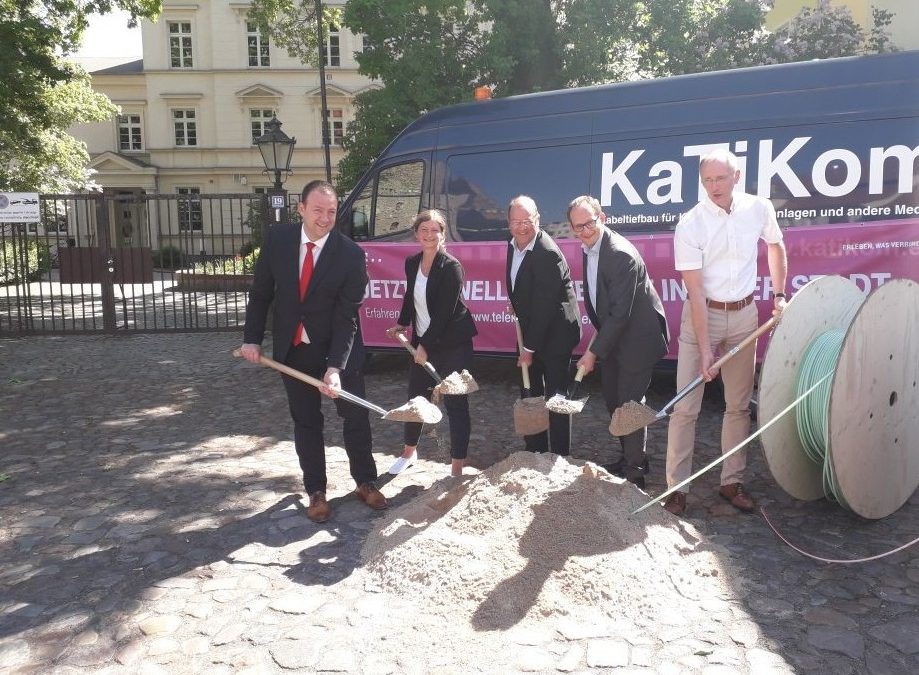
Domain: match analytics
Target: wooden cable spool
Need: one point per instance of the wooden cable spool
(872, 428)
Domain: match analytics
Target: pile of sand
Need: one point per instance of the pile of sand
(565, 406)
(418, 409)
(457, 383)
(536, 536)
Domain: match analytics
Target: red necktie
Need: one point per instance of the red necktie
(305, 274)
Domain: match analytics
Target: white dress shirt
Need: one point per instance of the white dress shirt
(724, 245)
(519, 255)
(593, 266)
(317, 249)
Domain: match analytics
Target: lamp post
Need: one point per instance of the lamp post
(326, 141)
(277, 149)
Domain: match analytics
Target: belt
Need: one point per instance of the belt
(730, 306)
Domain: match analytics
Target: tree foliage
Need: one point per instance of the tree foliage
(431, 53)
(35, 83)
(435, 52)
(51, 160)
(291, 25)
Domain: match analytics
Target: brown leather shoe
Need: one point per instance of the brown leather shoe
(319, 510)
(371, 496)
(739, 498)
(676, 503)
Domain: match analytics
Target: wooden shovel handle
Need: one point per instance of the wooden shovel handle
(400, 336)
(579, 375)
(746, 341)
(680, 395)
(524, 368)
(309, 379)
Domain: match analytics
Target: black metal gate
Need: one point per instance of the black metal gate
(122, 261)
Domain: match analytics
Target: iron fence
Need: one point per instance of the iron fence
(130, 261)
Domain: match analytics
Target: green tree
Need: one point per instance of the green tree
(431, 53)
(291, 25)
(52, 160)
(34, 84)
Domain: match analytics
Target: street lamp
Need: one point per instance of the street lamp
(277, 149)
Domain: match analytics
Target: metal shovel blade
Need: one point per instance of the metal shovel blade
(632, 416)
(419, 409)
(565, 406)
(530, 416)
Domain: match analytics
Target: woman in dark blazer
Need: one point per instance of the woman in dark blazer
(442, 332)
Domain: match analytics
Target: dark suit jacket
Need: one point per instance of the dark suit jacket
(329, 308)
(451, 322)
(544, 300)
(629, 318)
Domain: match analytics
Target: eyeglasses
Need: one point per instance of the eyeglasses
(522, 223)
(716, 180)
(589, 225)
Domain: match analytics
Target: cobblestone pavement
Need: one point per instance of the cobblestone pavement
(150, 522)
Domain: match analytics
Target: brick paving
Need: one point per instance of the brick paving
(150, 521)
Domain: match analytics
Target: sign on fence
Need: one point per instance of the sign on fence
(19, 207)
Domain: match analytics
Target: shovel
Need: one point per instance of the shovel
(570, 405)
(419, 409)
(530, 414)
(632, 416)
(454, 384)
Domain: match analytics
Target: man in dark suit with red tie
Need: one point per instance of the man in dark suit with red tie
(543, 299)
(625, 310)
(316, 278)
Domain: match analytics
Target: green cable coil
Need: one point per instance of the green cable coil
(813, 413)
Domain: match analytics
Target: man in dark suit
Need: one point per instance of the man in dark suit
(627, 314)
(543, 300)
(316, 278)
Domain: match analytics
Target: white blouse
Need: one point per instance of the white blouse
(422, 315)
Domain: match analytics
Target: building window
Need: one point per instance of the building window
(129, 133)
(336, 125)
(365, 45)
(190, 214)
(331, 50)
(258, 118)
(180, 53)
(186, 129)
(259, 55)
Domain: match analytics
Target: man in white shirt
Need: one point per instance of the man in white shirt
(715, 249)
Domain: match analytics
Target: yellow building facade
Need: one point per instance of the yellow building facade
(204, 89)
(903, 28)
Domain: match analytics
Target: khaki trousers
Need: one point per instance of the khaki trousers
(725, 330)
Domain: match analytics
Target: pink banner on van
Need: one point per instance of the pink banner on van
(867, 253)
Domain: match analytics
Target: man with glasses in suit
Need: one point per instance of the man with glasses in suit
(629, 319)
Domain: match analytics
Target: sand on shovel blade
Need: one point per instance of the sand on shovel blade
(629, 417)
(418, 409)
(565, 406)
(456, 384)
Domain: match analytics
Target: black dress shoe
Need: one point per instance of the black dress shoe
(638, 481)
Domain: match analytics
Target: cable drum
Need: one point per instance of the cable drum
(855, 439)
